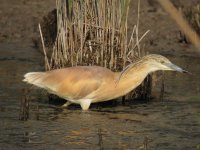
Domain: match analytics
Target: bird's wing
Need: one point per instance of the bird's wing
(77, 82)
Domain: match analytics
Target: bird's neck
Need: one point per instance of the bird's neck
(124, 82)
(132, 78)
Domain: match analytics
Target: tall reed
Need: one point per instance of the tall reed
(94, 32)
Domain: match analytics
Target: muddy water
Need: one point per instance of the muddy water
(171, 124)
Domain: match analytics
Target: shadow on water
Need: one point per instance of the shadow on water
(171, 124)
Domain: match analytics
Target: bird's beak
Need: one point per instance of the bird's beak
(176, 68)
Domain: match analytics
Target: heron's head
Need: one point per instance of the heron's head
(157, 62)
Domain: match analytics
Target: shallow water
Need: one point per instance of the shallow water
(171, 124)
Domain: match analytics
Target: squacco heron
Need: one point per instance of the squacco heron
(91, 84)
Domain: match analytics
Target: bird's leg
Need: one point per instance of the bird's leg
(85, 104)
(66, 104)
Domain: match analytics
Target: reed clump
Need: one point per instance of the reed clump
(92, 32)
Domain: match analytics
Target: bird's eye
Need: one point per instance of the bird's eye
(162, 62)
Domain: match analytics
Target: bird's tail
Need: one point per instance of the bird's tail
(35, 78)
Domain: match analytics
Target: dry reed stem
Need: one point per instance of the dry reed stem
(183, 24)
(24, 105)
(47, 67)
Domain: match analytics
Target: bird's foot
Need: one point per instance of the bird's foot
(66, 104)
(85, 104)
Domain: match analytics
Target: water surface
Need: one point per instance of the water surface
(171, 124)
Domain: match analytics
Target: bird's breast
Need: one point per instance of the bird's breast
(114, 90)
